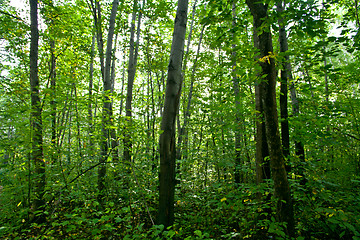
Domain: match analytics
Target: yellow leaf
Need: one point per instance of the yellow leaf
(223, 199)
(19, 204)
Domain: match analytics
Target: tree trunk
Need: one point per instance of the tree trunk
(181, 129)
(113, 135)
(90, 99)
(238, 173)
(284, 84)
(171, 107)
(133, 53)
(107, 105)
(263, 42)
(183, 133)
(54, 140)
(299, 148)
(36, 120)
(262, 151)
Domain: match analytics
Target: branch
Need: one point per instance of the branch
(11, 15)
(347, 134)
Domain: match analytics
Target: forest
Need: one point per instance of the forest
(178, 119)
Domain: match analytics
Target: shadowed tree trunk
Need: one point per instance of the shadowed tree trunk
(284, 84)
(262, 151)
(287, 72)
(171, 107)
(36, 120)
(54, 139)
(263, 42)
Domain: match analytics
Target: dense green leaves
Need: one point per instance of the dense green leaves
(323, 38)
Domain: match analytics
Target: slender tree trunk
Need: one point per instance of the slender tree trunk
(171, 107)
(325, 75)
(107, 105)
(79, 150)
(36, 119)
(285, 134)
(152, 115)
(262, 151)
(183, 133)
(113, 135)
(133, 53)
(54, 140)
(90, 110)
(307, 76)
(263, 42)
(299, 149)
(181, 129)
(122, 86)
(238, 173)
(99, 34)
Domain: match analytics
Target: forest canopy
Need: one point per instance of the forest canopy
(199, 119)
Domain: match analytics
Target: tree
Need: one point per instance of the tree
(167, 140)
(36, 120)
(107, 91)
(218, 115)
(238, 175)
(285, 138)
(286, 76)
(263, 42)
(133, 55)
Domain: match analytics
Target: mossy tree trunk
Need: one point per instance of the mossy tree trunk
(267, 84)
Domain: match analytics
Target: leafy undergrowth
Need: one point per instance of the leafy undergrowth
(220, 211)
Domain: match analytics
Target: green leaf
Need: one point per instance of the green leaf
(198, 233)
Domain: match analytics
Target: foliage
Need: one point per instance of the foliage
(208, 204)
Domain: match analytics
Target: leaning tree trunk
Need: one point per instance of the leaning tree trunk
(267, 86)
(36, 119)
(171, 107)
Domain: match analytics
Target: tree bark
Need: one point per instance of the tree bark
(113, 135)
(36, 120)
(238, 173)
(171, 107)
(107, 105)
(183, 133)
(54, 138)
(133, 53)
(263, 41)
(285, 133)
(90, 99)
(262, 151)
(299, 148)
(181, 129)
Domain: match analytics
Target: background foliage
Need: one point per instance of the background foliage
(324, 52)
